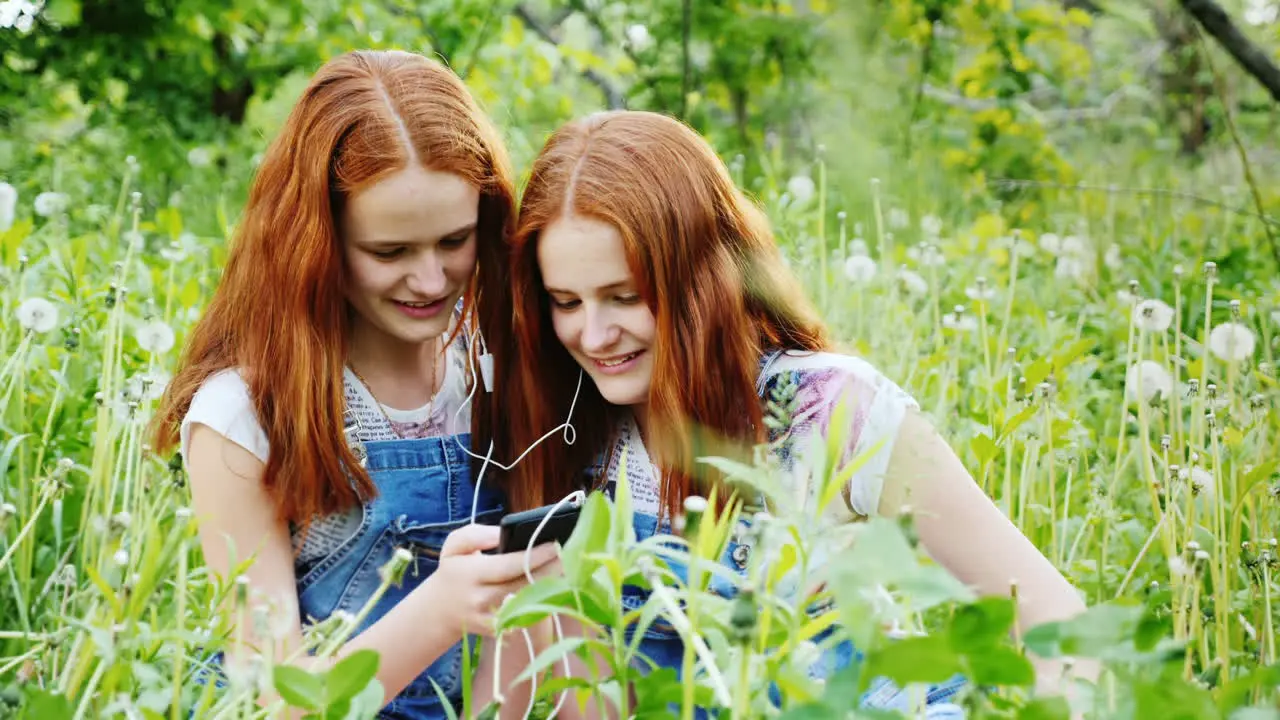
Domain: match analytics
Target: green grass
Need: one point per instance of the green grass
(1164, 513)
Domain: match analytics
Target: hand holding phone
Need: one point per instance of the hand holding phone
(517, 529)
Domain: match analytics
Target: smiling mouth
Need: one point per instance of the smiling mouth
(616, 361)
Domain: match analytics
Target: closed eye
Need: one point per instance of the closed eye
(456, 241)
(565, 304)
(388, 254)
(628, 299)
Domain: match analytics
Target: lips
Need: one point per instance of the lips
(616, 360)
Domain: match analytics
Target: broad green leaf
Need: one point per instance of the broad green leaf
(346, 679)
(1046, 708)
(923, 659)
(980, 625)
(999, 665)
(298, 687)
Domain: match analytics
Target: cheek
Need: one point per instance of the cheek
(461, 263)
(643, 326)
(565, 329)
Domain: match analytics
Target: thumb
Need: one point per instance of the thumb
(470, 539)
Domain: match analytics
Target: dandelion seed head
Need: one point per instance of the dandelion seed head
(1178, 271)
(48, 204)
(1051, 243)
(1178, 567)
(1148, 380)
(860, 269)
(841, 216)
(1232, 342)
(199, 157)
(1210, 269)
(638, 36)
(120, 558)
(801, 189)
(1153, 315)
(1113, 259)
(913, 282)
(1202, 556)
(899, 218)
(155, 337)
(8, 205)
(37, 315)
(931, 225)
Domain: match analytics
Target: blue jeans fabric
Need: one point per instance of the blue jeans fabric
(424, 493)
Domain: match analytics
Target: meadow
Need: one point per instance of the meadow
(1099, 349)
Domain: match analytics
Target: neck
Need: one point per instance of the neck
(640, 412)
(394, 369)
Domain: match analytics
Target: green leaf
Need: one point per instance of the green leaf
(1046, 708)
(349, 676)
(984, 448)
(999, 665)
(591, 532)
(63, 12)
(981, 624)
(550, 656)
(298, 687)
(924, 659)
(45, 705)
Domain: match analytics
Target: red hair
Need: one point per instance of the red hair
(280, 314)
(706, 263)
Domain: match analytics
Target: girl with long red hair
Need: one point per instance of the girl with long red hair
(637, 261)
(321, 404)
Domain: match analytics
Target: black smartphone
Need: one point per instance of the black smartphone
(518, 528)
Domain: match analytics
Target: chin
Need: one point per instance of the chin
(623, 393)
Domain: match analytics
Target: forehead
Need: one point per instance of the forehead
(413, 202)
(579, 254)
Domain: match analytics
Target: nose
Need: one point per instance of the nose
(426, 277)
(599, 332)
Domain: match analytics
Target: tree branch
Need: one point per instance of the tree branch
(1217, 23)
(613, 97)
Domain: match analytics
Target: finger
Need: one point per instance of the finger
(499, 569)
(470, 539)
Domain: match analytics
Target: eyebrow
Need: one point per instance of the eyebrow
(602, 288)
(464, 230)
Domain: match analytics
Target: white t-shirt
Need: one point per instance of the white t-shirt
(223, 404)
(876, 408)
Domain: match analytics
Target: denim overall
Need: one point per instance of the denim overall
(662, 645)
(424, 493)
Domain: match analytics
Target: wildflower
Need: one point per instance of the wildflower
(959, 320)
(898, 218)
(860, 268)
(51, 203)
(37, 315)
(1201, 480)
(148, 385)
(1112, 258)
(1148, 378)
(913, 282)
(638, 36)
(926, 254)
(1051, 243)
(155, 337)
(858, 246)
(980, 290)
(1178, 567)
(801, 189)
(120, 558)
(1232, 342)
(931, 226)
(199, 157)
(1070, 268)
(1153, 315)
(8, 205)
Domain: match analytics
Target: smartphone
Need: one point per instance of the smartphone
(517, 528)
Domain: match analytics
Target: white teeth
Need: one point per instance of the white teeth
(615, 363)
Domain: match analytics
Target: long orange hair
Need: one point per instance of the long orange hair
(279, 312)
(705, 261)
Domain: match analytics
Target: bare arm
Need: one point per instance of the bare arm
(237, 519)
(965, 532)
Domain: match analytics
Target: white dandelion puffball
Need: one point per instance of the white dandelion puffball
(1201, 480)
(1153, 315)
(913, 282)
(931, 225)
(898, 218)
(37, 315)
(1113, 258)
(858, 246)
(638, 36)
(199, 157)
(986, 292)
(860, 268)
(155, 337)
(801, 188)
(963, 323)
(1070, 268)
(1232, 342)
(1148, 379)
(926, 254)
(1051, 243)
(8, 205)
(51, 203)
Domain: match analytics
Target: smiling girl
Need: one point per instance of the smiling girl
(637, 260)
(319, 405)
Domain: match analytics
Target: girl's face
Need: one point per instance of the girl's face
(410, 247)
(596, 307)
